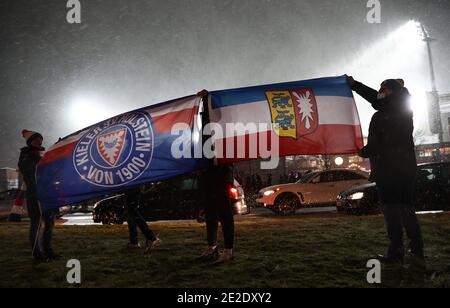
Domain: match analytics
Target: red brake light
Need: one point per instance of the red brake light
(234, 193)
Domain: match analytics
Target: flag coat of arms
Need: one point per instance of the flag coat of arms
(309, 117)
(124, 151)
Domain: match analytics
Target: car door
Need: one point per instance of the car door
(334, 182)
(157, 202)
(310, 191)
(324, 190)
(444, 180)
(350, 179)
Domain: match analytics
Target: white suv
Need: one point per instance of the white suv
(313, 189)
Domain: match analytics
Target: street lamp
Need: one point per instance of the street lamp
(428, 39)
(434, 95)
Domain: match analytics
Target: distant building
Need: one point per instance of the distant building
(445, 116)
(430, 153)
(435, 152)
(9, 179)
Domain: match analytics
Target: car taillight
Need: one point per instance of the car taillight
(234, 193)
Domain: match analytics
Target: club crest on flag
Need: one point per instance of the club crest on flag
(115, 152)
(294, 113)
(110, 146)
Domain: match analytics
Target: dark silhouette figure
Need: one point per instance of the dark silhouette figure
(392, 156)
(29, 158)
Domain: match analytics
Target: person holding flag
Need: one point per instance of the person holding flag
(215, 182)
(29, 158)
(392, 156)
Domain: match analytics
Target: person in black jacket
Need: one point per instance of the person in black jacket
(392, 156)
(215, 183)
(29, 158)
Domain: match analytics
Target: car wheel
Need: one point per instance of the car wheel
(286, 204)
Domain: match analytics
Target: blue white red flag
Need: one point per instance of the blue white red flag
(124, 151)
(304, 118)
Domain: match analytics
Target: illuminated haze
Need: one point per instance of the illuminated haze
(57, 78)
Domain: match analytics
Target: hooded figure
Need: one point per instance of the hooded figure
(30, 157)
(390, 145)
(28, 160)
(392, 156)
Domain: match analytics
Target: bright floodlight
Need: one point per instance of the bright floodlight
(399, 54)
(86, 111)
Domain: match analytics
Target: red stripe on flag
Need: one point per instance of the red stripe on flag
(58, 153)
(164, 123)
(327, 139)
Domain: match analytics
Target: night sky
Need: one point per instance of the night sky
(129, 54)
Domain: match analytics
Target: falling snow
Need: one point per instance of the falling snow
(127, 55)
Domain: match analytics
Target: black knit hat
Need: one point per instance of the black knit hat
(394, 84)
(29, 136)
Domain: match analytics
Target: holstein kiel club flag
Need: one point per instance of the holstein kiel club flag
(126, 150)
(305, 118)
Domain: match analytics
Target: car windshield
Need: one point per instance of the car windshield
(306, 178)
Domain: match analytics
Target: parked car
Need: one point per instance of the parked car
(432, 192)
(6, 202)
(176, 199)
(312, 190)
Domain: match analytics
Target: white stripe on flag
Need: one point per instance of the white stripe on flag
(332, 111)
(67, 141)
(176, 106)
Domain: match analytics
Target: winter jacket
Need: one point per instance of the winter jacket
(216, 180)
(28, 160)
(390, 145)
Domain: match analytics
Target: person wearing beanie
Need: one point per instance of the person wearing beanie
(28, 160)
(393, 162)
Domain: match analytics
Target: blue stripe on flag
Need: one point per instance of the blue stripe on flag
(331, 86)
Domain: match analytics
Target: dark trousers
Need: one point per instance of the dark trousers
(40, 246)
(399, 214)
(218, 209)
(135, 221)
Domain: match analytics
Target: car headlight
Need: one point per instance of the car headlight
(269, 193)
(356, 196)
